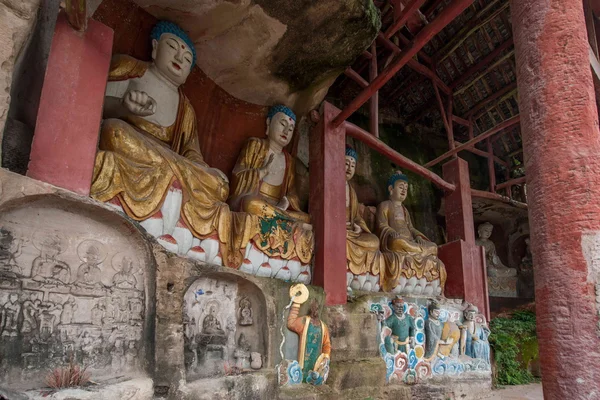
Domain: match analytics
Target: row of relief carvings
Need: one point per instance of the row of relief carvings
(51, 312)
(419, 342)
(253, 221)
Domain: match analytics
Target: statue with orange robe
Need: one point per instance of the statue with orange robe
(362, 247)
(409, 255)
(149, 143)
(263, 185)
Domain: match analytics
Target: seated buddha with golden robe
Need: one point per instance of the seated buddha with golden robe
(263, 185)
(412, 265)
(149, 143)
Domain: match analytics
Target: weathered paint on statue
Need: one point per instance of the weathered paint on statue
(440, 337)
(412, 265)
(314, 347)
(149, 160)
(495, 268)
(474, 336)
(263, 185)
(362, 247)
(402, 326)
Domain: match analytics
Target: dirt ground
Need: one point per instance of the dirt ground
(521, 392)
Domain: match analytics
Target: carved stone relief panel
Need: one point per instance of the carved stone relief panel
(223, 332)
(72, 287)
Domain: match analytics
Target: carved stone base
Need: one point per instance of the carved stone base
(502, 286)
(367, 282)
(258, 263)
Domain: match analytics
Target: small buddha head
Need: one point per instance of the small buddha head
(398, 186)
(398, 306)
(51, 246)
(92, 255)
(351, 158)
(281, 121)
(470, 312)
(434, 310)
(173, 52)
(485, 230)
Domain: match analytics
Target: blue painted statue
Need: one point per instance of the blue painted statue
(474, 341)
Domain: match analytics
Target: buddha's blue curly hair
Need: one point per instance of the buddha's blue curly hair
(169, 27)
(351, 152)
(280, 108)
(397, 176)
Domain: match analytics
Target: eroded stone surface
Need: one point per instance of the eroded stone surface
(259, 52)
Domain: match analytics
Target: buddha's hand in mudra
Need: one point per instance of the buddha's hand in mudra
(139, 103)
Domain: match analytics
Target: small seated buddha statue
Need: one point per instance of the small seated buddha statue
(362, 247)
(408, 253)
(263, 185)
(149, 143)
(495, 268)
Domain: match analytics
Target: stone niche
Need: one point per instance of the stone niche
(75, 280)
(224, 320)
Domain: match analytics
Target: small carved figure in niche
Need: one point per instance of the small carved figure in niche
(46, 268)
(124, 278)
(117, 356)
(526, 284)
(123, 308)
(98, 312)
(10, 314)
(10, 249)
(255, 360)
(402, 326)
(362, 247)
(92, 253)
(245, 312)
(31, 310)
(314, 348)
(86, 343)
(131, 356)
(136, 308)
(474, 336)
(49, 318)
(242, 353)
(211, 324)
(69, 308)
(408, 252)
(494, 264)
(440, 337)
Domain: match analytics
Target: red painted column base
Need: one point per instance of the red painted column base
(66, 133)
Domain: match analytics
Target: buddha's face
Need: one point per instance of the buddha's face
(485, 231)
(350, 167)
(398, 308)
(435, 313)
(470, 315)
(172, 57)
(280, 129)
(399, 191)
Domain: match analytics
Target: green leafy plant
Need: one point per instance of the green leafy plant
(514, 343)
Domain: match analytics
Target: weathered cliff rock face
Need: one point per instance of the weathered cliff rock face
(260, 50)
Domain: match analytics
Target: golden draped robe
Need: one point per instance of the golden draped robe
(403, 255)
(138, 161)
(277, 232)
(362, 249)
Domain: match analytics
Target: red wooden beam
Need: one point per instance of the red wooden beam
(415, 65)
(506, 124)
(410, 9)
(366, 55)
(482, 153)
(423, 37)
(401, 90)
(403, 162)
(484, 62)
(491, 169)
(421, 53)
(495, 196)
(374, 111)
(355, 76)
(460, 120)
(512, 182)
(432, 8)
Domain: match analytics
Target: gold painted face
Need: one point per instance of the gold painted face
(399, 191)
(281, 129)
(350, 167)
(172, 57)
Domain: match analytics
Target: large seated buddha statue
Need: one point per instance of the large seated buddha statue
(412, 264)
(149, 161)
(263, 186)
(364, 260)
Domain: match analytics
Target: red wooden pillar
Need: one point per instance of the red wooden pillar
(66, 131)
(465, 261)
(328, 205)
(561, 143)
